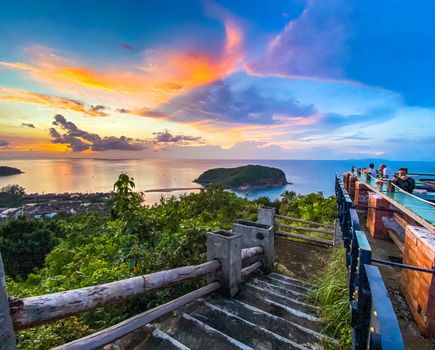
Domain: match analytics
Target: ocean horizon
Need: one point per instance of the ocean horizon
(99, 174)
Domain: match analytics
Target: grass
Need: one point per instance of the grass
(331, 295)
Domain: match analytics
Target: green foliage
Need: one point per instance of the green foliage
(126, 202)
(332, 296)
(248, 175)
(24, 243)
(131, 239)
(312, 207)
(11, 196)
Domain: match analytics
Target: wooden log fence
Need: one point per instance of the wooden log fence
(251, 252)
(110, 334)
(33, 311)
(250, 269)
(313, 223)
(328, 242)
(303, 228)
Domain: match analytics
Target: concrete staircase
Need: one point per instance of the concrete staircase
(270, 312)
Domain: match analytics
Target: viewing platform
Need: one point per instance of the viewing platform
(419, 209)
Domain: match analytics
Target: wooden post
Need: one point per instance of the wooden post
(7, 335)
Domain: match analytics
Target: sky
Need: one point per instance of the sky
(276, 79)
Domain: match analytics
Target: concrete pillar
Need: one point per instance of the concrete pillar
(225, 246)
(351, 189)
(378, 219)
(361, 196)
(346, 178)
(419, 287)
(254, 234)
(266, 216)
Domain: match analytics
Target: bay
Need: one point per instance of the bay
(98, 175)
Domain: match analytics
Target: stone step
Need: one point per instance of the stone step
(293, 314)
(245, 331)
(275, 295)
(282, 290)
(290, 280)
(285, 284)
(147, 337)
(299, 334)
(197, 335)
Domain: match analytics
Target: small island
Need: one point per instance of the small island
(243, 178)
(7, 171)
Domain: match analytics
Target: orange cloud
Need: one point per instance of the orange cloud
(8, 94)
(165, 73)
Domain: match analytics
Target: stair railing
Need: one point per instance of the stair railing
(232, 257)
(374, 322)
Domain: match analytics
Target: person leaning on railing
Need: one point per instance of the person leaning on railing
(404, 181)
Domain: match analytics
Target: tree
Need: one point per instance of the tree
(11, 196)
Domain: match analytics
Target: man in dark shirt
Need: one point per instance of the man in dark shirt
(404, 181)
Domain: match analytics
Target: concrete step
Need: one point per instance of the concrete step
(197, 335)
(290, 280)
(253, 335)
(160, 340)
(286, 284)
(299, 334)
(282, 290)
(275, 307)
(278, 296)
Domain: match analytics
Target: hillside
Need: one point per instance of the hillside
(243, 178)
(7, 170)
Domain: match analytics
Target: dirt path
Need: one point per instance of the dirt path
(301, 260)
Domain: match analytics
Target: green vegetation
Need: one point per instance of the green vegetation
(67, 252)
(332, 296)
(11, 196)
(7, 170)
(244, 177)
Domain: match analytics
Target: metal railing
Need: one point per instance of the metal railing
(374, 322)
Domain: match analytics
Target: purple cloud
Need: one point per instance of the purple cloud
(28, 125)
(80, 140)
(221, 102)
(311, 45)
(165, 137)
(4, 143)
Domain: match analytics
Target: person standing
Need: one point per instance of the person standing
(386, 172)
(372, 171)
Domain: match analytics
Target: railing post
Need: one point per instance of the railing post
(7, 335)
(225, 247)
(361, 296)
(266, 216)
(254, 234)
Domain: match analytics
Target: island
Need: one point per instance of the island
(7, 171)
(244, 178)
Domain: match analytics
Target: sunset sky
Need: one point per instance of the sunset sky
(315, 79)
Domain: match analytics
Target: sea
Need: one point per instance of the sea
(99, 175)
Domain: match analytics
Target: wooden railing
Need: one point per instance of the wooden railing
(223, 269)
(285, 228)
(374, 321)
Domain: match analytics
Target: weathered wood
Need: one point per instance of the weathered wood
(33, 311)
(307, 238)
(250, 269)
(110, 334)
(303, 221)
(251, 252)
(308, 229)
(7, 335)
